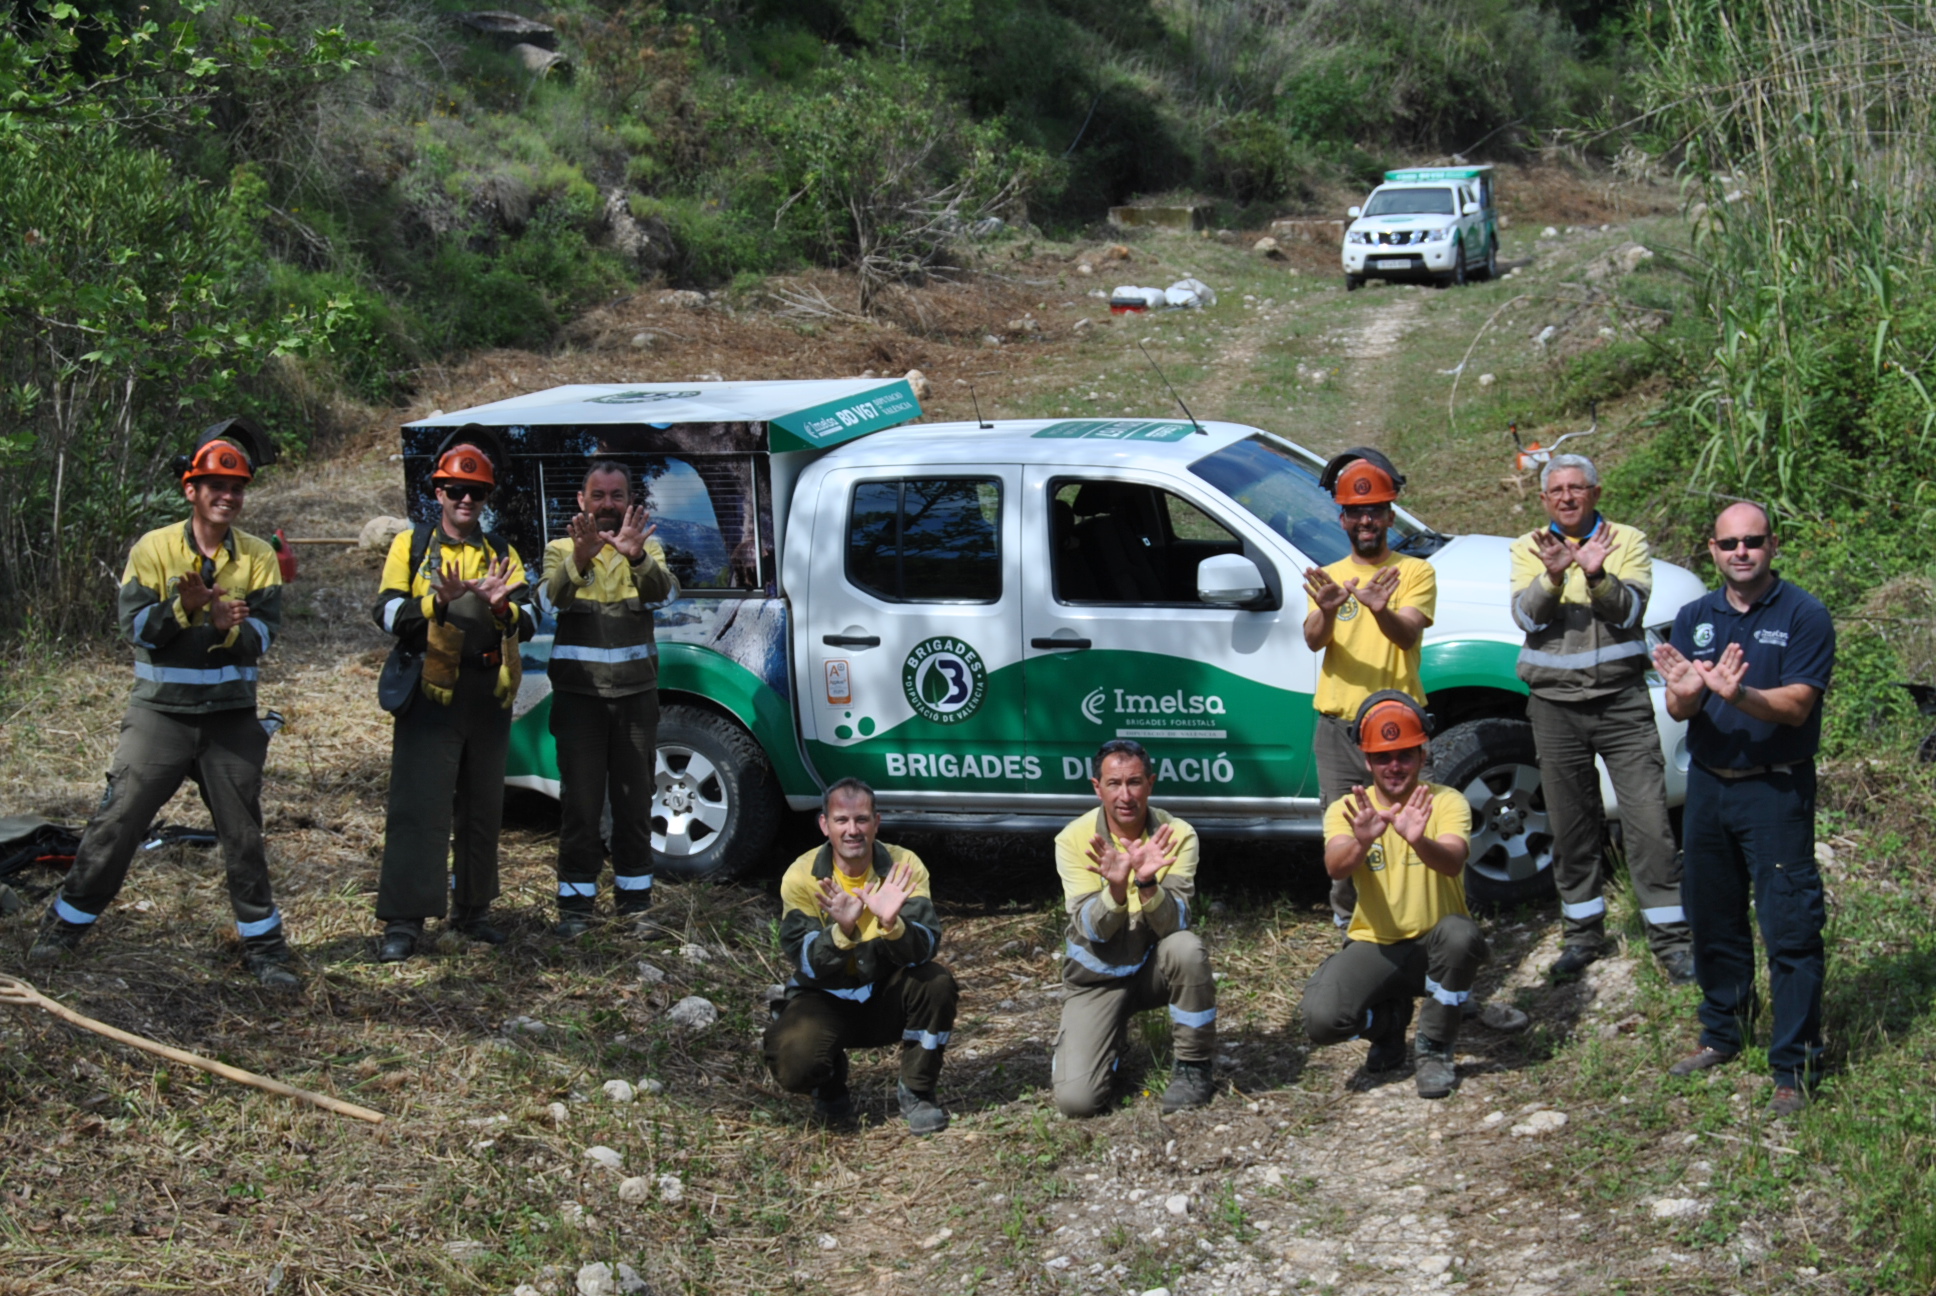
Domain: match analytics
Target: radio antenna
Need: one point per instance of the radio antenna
(980, 422)
(1173, 393)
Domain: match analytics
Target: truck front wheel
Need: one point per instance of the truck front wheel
(1352, 282)
(1496, 765)
(715, 806)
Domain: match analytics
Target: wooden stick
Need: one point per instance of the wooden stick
(337, 540)
(15, 991)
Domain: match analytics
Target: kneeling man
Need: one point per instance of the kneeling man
(1404, 844)
(1128, 873)
(861, 933)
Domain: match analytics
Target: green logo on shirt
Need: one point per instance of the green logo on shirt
(1375, 857)
(1703, 635)
(1348, 610)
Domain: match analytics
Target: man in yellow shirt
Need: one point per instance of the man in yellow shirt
(860, 931)
(1369, 610)
(1404, 843)
(1128, 873)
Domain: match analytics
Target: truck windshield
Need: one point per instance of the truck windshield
(1281, 491)
(1407, 202)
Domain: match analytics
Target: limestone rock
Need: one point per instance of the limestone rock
(378, 532)
(693, 1013)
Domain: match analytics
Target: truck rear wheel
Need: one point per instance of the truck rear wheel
(715, 806)
(1496, 765)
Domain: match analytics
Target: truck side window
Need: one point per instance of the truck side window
(927, 540)
(1119, 542)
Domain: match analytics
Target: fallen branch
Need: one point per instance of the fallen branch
(15, 991)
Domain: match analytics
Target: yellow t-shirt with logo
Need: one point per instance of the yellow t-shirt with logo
(1360, 660)
(1399, 898)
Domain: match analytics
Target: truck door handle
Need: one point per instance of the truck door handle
(1060, 643)
(851, 641)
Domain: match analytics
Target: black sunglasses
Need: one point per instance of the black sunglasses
(1363, 510)
(1752, 542)
(465, 491)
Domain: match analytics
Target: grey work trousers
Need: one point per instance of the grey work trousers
(1621, 731)
(224, 750)
(446, 767)
(806, 1046)
(1342, 998)
(1095, 1019)
(1341, 765)
(606, 746)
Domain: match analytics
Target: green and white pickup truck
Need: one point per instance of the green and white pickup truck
(960, 614)
(1433, 223)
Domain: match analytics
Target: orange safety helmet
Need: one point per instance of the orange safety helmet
(465, 462)
(218, 459)
(1390, 721)
(1364, 482)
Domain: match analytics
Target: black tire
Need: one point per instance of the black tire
(1492, 259)
(1352, 282)
(1456, 277)
(715, 806)
(1496, 765)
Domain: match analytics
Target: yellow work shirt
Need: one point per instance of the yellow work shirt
(1360, 660)
(1399, 898)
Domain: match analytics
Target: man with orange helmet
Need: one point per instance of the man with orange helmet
(1404, 842)
(1369, 610)
(201, 602)
(456, 598)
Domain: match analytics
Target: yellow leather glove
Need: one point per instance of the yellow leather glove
(510, 671)
(443, 653)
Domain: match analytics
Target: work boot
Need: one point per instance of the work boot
(400, 938)
(1678, 967)
(468, 920)
(575, 918)
(1436, 1075)
(1191, 1085)
(1701, 1059)
(1787, 1101)
(1576, 957)
(630, 904)
(924, 1114)
(1391, 1022)
(56, 940)
(833, 1106)
(270, 962)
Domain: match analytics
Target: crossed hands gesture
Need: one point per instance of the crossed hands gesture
(1558, 555)
(224, 613)
(883, 897)
(1368, 822)
(493, 587)
(1141, 860)
(629, 539)
(1686, 679)
(1375, 594)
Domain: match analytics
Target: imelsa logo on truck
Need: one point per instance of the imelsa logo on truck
(1156, 715)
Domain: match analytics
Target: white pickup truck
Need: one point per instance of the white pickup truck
(1433, 223)
(960, 613)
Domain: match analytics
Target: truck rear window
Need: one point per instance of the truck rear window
(927, 540)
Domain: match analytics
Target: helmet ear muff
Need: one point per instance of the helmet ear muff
(1328, 479)
(1389, 695)
(496, 456)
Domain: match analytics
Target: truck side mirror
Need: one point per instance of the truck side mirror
(1470, 209)
(1229, 580)
(1354, 212)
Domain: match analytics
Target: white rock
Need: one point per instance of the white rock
(1081, 324)
(1177, 1205)
(1060, 1262)
(645, 341)
(649, 975)
(695, 953)
(1632, 258)
(1540, 1122)
(558, 1112)
(1546, 335)
(1824, 853)
(378, 532)
(918, 383)
(828, 1242)
(1433, 1266)
(525, 1289)
(651, 1086)
(1084, 268)
(607, 1157)
(619, 1091)
(683, 297)
(1549, 232)
(1503, 1017)
(1157, 1291)
(464, 1251)
(1493, 1118)
(572, 1215)
(596, 1280)
(940, 1236)
(1487, 380)
(1267, 247)
(693, 1013)
(629, 1280)
(1679, 1208)
(635, 1190)
(671, 1188)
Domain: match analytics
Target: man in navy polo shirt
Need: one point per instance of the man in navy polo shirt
(1746, 668)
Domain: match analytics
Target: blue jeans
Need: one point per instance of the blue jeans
(1756, 837)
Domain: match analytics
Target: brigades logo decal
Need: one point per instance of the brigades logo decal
(945, 680)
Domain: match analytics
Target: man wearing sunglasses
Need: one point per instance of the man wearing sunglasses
(1128, 873)
(1579, 590)
(1369, 610)
(1405, 842)
(461, 605)
(1746, 668)
(201, 603)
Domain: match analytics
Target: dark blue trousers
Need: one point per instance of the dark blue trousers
(1754, 838)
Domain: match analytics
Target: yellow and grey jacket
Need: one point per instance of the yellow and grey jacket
(182, 663)
(604, 644)
(1107, 941)
(406, 607)
(1583, 641)
(823, 957)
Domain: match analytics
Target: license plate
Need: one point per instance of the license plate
(1398, 263)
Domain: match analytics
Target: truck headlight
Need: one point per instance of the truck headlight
(1437, 235)
(1357, 236)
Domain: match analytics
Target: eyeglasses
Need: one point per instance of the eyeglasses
(1363, 510)
(1749, 542)
(1390, 757)
(465, 491)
